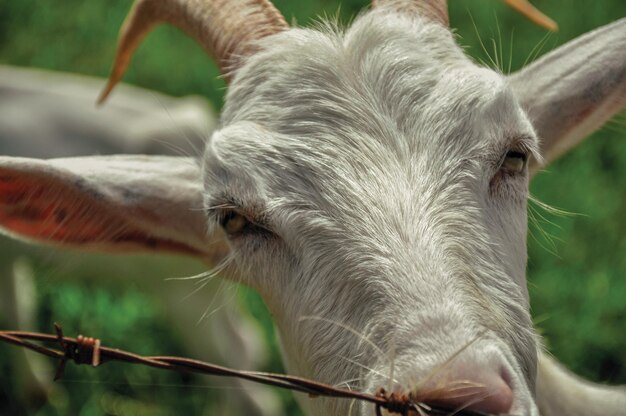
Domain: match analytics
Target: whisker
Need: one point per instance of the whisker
(193, 277)
(392, 362)
(209, 309)
(471, 402)
(201, 284)
(220, 206)
(501, 60)
(511, 51)
(538, 220)
(460, 394)
(482, 45)
(552, 210)
(348, 383)
(352, 402)
(211, 274)
(347, 328)
(462, 384)
(547, 237)
(435, 371)
(444, 391)
(536, 50)
(495, 52)
(363, 366)
(421, 408)
(192, 144)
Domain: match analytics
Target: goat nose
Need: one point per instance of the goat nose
(471, 388)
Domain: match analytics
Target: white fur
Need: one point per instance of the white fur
(393, 240)
(369, 153)
(371, 160)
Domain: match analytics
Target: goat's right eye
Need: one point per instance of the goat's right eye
(515, 162)
(234, 223)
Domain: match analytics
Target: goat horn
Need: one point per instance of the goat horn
(533, 14)
(225, 28)
(437, 10)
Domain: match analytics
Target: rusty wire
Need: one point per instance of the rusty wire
(86, 350)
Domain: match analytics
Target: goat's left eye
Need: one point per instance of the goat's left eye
(234, 223)
(514, 162)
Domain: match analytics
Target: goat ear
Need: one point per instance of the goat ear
(574, 90)
(108, 203)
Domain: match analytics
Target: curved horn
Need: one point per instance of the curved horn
(533, 14)
(225, 28)
(436, 10)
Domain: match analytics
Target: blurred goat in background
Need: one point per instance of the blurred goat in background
(49, 115)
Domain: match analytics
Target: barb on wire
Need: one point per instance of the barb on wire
(87, 350)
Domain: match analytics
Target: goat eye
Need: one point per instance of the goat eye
(514, 162)
(233, 223)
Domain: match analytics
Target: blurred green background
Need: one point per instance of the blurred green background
(577, 261)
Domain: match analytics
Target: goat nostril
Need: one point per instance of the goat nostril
(483, 391)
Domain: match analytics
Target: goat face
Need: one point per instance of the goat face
(371, 184)
(376, 180)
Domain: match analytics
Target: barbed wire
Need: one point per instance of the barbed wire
(87, 350)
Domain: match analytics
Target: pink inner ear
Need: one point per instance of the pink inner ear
(49, 211)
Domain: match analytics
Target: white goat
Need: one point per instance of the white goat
(371, 181)
(136, 121)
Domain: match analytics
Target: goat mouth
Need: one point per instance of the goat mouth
(411, 405)
(481, 380)
(428, 410)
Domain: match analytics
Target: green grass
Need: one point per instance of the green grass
(576, 275)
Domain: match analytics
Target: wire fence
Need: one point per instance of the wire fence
(87, 350)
